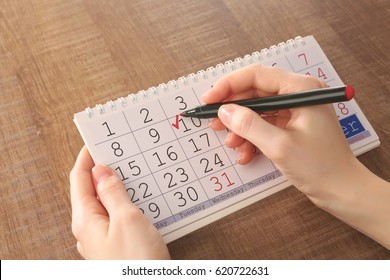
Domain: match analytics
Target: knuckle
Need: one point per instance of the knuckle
(299, 82)
(314, 82)
(132, 215)
(129, 216)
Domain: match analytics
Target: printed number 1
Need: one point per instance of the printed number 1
(110, 133)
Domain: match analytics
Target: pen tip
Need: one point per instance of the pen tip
(188, 113)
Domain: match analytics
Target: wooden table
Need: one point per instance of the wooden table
(58, 57)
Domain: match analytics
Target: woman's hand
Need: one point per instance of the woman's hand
(106, 224)
(306, 144)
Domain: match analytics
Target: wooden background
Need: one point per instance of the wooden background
(59, 56)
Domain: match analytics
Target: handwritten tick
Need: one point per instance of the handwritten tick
(176, 125)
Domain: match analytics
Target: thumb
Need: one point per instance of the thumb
(110, 189)
(250, 126)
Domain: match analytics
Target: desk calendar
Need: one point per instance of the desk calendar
(177, 170)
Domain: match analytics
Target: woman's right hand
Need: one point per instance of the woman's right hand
(306, 144)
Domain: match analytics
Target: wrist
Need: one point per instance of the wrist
(339, 186)
(359, 198)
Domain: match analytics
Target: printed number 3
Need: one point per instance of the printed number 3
(181, 102)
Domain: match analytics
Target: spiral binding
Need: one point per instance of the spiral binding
(230, 65)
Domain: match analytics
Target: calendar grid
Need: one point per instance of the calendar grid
(150, 170)
(224, 148)
(113, 138)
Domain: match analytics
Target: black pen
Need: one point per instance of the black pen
(278, 102)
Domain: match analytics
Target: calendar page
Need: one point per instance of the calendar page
(177, 170)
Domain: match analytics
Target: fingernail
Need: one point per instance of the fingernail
(100, 172)
(225, 113)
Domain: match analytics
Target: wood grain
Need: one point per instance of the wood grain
(58, 57)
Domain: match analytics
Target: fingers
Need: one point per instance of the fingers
(111, 191)
(232, 140)
(249, 125)
(257, 80)
(251, 81)
(216, 124)
(81, 173)
(245, 152)
(82, 191)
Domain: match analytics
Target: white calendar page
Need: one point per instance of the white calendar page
(177, 170)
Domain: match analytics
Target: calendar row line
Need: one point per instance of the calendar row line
(309, 67)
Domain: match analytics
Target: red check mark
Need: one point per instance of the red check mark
(177, 122)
